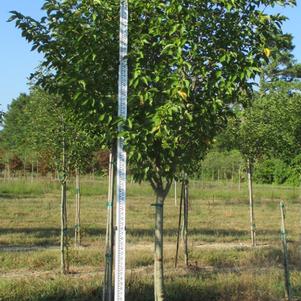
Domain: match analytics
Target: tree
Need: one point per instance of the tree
(56, 129)
(39, 123)
(189, 63)
(80, 63)
(14, 137)
(185, 82)
(270, 128)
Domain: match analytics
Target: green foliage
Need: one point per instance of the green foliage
(14, 140)
(189, 63)
(225, 164)
(270, 127)
(185, 81)
(38, 125)
(271, 171)
(79, 42)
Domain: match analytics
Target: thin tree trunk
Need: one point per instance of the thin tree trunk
(179, 224)
(176, 193)
(64, 235)
(64, 227)
(158, 258)
(5, 172)
(24, 167)
(37, 168)
(32, 169)
(8, 170)
(185, 236)
(239, 178)
(108, 278)
(77, 232)
(183, 221)
(288, 293)
(251, 203)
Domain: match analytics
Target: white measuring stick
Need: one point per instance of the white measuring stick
(121, 158)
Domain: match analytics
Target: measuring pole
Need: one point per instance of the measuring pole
(121, 157)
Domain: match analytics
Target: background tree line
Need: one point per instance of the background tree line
(31, 132)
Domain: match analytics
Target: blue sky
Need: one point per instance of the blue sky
(17, 61)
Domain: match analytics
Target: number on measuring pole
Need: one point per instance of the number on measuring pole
(121, 158)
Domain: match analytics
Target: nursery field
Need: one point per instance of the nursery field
(222, 263)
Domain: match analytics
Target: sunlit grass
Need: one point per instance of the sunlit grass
(223, 266)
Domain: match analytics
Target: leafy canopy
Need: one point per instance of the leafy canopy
(189, 63)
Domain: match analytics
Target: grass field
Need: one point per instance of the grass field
(223, 266)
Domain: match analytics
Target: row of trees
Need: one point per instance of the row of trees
(37, 126)
(32, 129)
(191, 64)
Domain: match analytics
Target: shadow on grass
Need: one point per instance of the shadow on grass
(95, 231)
(44, 237)
(194, 231)
(48, 232)
(49, 236)
(178, 290)
(13, 196)
(135, 291)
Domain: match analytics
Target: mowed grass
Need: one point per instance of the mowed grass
(223, 266)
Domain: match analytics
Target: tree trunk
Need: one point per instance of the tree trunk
(5, 172)
(251, 203)
(64, 234)
(64, 228)
(239, 178)
(185, 236)
(175, 193)
(285, 254)
(108, 278)
(179, 224)
(32, 169)
(8, 175)
(77, 233)
(158, 258)
(24, 167)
